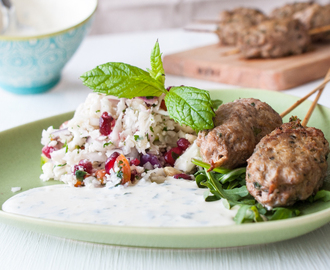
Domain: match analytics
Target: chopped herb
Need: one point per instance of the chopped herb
(80, 175)
(165, 129)
(174, 155)
(256, 131)
(152, 130)
(220, 135)
(253, 104)
(120, 174)
(256, 185)
(97, 111)
(107, 143)
(61, 165)
(137, 137)
(66, 146)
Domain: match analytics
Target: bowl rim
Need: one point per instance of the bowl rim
(51, 34)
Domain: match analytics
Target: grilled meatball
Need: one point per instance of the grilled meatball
(288, 165)
(234, 22)
(274, 38)
(288, 10)
(239, 126)
(315, 16)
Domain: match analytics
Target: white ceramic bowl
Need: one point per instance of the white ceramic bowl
(32, 63)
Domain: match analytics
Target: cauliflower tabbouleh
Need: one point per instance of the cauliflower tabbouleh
(112, 141)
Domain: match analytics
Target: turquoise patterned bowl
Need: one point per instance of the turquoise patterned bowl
(30, 65)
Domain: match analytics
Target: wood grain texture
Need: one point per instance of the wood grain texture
(209, 63)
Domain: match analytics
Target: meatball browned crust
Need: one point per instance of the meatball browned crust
(239, 126)
(288, 165)
(232, 23)
(288, 10)
(274, 38)
(315, 16)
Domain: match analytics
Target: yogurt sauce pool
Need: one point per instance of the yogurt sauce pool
(174, 203)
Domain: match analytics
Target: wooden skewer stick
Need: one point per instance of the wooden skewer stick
(311, 109)
(319, 30)
(298, 102)
(201, 30)
(208, 21)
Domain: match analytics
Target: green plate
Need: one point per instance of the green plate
(20, 150)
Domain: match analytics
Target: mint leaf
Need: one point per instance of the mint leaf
(190, 106)
(157, 71)
(216, 103)
(122, 80)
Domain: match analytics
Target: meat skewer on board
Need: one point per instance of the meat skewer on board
(273, 39)
(289, 164)
(289, 31)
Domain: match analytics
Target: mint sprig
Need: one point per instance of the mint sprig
(157, 70)
(186, 105)
(190, 106)
(122, 80)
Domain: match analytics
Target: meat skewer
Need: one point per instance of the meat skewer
(232, 23)
(239, 126)
(272, 39)
(289, 164)
(289, 31)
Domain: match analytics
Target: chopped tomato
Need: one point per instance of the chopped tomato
(124, 168)
(100, 175)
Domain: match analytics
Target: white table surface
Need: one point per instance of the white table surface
(20, 249)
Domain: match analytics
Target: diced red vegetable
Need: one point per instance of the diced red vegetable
(107, 122)
(183, 143)
(110, 162)
(135, 162)
(47, 150)
(182, 176)
(172, 155)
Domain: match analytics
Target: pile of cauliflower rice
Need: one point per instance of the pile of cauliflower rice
(112, 141)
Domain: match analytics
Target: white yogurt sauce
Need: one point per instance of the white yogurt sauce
(174, 203)
(38, 17)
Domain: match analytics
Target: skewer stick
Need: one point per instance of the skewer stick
(319, 30)
(311, 109)
(201, 30)
(298, 102)
(208, 21)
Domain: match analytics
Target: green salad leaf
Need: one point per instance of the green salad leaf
(186, 105)
(230, 186)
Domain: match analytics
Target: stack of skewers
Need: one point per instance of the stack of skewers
(288, 30)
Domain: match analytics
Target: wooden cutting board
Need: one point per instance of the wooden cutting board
(209, 63)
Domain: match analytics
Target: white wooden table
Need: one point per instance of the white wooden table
(20, 249)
